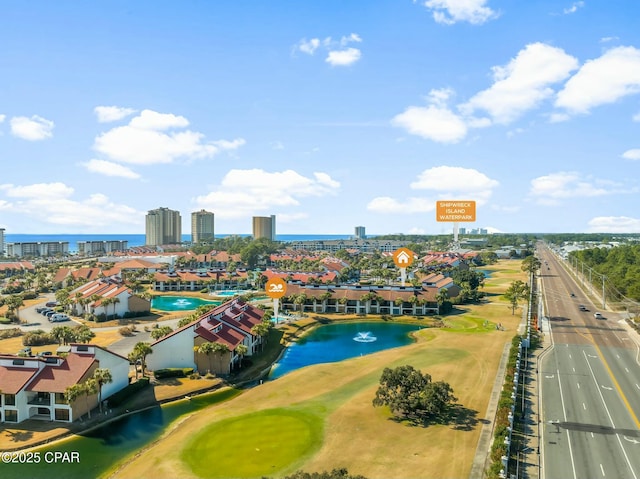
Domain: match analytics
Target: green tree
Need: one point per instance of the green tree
(88, 388)
(102, 376)
(161, 332)
(516, 292)
(410, 394)
(82, 334)
(142, 350)
(62, 334)
(14, 303)
(531, 264)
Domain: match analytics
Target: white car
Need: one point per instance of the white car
(56, 318)
(598, 316)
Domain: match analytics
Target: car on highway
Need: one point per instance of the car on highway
(573, 295)
(582, 307)
(598, 316)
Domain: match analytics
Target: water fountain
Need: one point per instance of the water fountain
(365, 337)
(182, 302)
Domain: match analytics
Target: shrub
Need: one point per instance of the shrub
(118, 398)
(10, 333)
(38, 338)
(126, 331)
(29, 295)
(172, 373)
(4, 320)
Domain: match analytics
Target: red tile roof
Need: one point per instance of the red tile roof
(55, 379)
(13, 379)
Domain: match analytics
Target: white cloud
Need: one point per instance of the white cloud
(144, 141)
(558, 117)
(445, 182)
(2, 117)
(32, 129)
(636, 117)
(451, 11)
(108, 168)
(608, 39)
(152, 120)
(455, 180)
(604, 80)
(552, 188)
(308, 46)
(277, 145)
(614, 224)
(354, 37)
(52, 203)
(343, 57)
(433, 122)
(245, 192)
(388, 205)
(108, 114)
(633, 154)
(573, 8)
(337, 52)
(523, 83)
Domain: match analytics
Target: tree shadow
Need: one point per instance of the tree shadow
(19, 436)
(457, 416)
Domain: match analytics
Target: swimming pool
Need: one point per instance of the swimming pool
(179, 303)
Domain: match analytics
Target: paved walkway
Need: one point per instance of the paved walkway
(486, 434)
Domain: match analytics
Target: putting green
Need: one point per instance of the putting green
(254, 445)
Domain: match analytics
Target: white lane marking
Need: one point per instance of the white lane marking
(591, 356)
(553, 376)
(635, 441)
(578, 384)
(626, 369)
(618, 356)
(570, 357)
(584, 406)
(592, 435)
(638, 386)
(605, 387)
(574, 369)
(602, 469)
(564, 413)
(624, 453)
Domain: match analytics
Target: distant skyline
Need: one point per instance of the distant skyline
(327, 114)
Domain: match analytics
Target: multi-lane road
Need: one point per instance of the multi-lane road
(589, 385)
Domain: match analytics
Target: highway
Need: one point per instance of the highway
(589, 385)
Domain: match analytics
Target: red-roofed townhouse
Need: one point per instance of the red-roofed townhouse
(108, 297)
(230, 324)
(34, 387)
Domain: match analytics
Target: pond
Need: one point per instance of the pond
(104, 447)
(336, 342)
(179, 303)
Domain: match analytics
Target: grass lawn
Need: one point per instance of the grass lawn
(13, 345)
(330, 407)
(267, 441)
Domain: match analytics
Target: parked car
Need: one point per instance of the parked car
(598, 316)
(40, 309)
(59, 317)
(50, 313)
(51, 304)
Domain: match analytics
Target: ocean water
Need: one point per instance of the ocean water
(139, 239)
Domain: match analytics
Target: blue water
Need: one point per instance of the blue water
(139, 239)
(104, 447)
(335, 342)
(179, 303)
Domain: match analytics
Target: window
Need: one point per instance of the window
(83, 347)
(18, 362)
(9, 399)
(10, 415)
(62, 415)
(60, 399)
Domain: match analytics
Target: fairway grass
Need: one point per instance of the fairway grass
(345, 430)
(261, 443)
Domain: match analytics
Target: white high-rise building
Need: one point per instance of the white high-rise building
(163, 226)
(1, 241)
(202, 228)
(360, 232)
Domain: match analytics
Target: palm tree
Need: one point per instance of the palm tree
(102, 376)
(142, 350)
(133, 359)
(442, 297)
(326, 296)
(241, 350)
(89, 387)
(14, 303)
(72, 393)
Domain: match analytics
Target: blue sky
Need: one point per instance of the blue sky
(328, 114)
